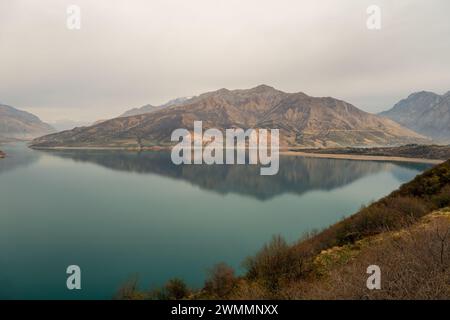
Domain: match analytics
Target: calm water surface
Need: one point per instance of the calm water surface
(117, 214)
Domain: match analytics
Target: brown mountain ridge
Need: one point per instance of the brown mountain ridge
(304, 121)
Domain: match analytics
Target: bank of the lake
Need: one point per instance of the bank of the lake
(333, 153)
(360, 157)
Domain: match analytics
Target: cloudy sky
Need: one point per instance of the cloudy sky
(131, 52)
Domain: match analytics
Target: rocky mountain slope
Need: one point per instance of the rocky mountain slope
(302, 120)
(17, 124)
(424, 112)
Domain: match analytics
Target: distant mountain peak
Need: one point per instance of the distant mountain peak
(263, 87)
(425, 112)
(151, 108)
(422, 93)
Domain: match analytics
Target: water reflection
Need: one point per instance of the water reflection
(17, 156)
(297, 175)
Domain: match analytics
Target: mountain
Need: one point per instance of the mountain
(149, 108)
(66, 124)
(17, 124)
(302, 120)
(424, 112)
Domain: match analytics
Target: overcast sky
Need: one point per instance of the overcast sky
(131, 52)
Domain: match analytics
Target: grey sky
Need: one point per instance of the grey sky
(131, 52)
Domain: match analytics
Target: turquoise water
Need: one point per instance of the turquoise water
(117, 214)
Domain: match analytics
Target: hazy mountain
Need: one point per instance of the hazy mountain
(149, 108)
(17, 124)
(61, 125)
(424, 112)
(302, 120)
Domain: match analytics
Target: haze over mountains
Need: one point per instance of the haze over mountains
(424, 112)
(302, 120)
(149, 108)
(20, 125)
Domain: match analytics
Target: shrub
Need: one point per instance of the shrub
(275, 263)
(221, 282)
(174, 289)
(442, 199)
(130, 290)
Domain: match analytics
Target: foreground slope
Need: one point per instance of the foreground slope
(302, 120)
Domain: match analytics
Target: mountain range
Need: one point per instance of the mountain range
(424, 112)
(149, 108)
(20, 125)
(303, 121)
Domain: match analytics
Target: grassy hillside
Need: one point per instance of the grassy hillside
(407, 234)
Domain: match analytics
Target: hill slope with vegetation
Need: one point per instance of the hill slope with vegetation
(438, 152)
(407, 234)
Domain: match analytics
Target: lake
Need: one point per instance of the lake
(117, 214)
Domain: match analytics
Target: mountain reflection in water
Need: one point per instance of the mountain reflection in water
(297, 175)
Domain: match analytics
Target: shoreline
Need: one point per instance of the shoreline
(282, 152)
(360, 157)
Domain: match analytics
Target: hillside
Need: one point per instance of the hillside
(17, 124)
(302, 120)
(408, 151)
(424, 112)
(406, 234)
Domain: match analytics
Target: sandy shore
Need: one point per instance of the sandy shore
(359, 157)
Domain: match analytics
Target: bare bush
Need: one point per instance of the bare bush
(414, 265)
(221, 282)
